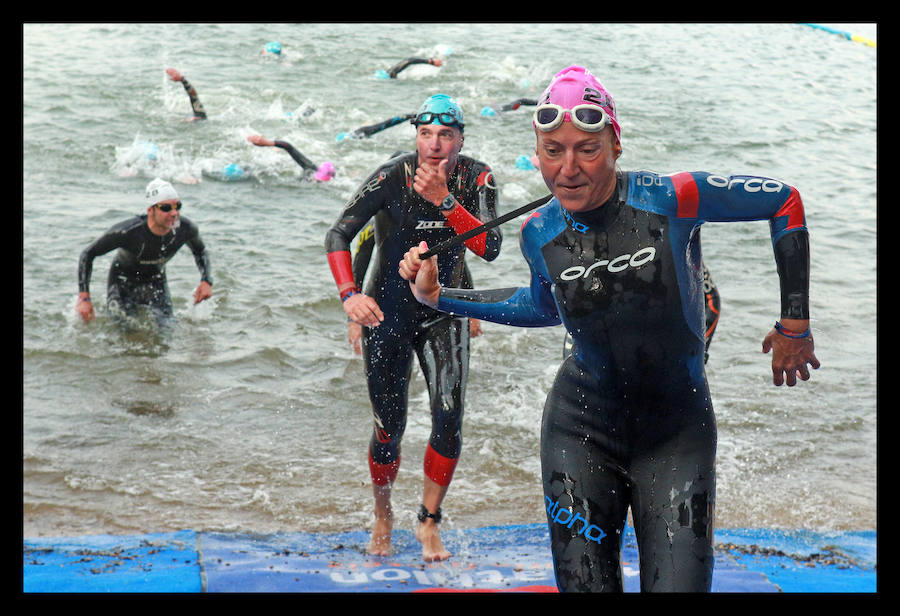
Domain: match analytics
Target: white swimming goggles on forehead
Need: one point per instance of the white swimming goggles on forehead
(590, 118)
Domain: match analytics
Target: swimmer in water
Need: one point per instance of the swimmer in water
(144, 244)
(369, 130)
(395, 70)
(272, 48)
(198, 112)
(615, 257)
(319, 173)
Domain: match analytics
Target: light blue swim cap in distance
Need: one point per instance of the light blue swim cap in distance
(524, 163)
(233, 172)
(274, 47)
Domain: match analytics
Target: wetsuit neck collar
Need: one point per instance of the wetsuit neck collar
(583, 221)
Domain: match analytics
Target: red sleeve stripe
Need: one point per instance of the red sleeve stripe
(687, 194)
(532, 215)
(462, 220)
(342, 269)
(793, 209)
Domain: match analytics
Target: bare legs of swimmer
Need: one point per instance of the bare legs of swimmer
(427, 532)
(380, 544)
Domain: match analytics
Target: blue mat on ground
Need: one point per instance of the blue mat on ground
(490, 559)
(164, 562)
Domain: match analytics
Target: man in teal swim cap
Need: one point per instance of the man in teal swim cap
(428, 195)
(439, 138)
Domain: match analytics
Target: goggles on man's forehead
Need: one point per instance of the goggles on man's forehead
(428, 117)
(590, 118)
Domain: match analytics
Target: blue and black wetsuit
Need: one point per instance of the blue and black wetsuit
(403, 218)
(629, 421)
(137, 276)
(712, 303)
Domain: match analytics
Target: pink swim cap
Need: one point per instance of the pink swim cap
(575, 85)
(325, 172)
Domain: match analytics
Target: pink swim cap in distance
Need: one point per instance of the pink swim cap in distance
(575, 85)
(325, 172)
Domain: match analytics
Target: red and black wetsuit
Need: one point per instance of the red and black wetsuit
(402, 219)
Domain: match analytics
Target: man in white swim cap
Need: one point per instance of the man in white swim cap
(144, 244)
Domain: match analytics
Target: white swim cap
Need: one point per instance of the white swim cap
(159, 190)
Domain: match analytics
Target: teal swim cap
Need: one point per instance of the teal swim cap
(233, 172)
(440, 109)
(274, 47)
(151, 150)
(524, 163)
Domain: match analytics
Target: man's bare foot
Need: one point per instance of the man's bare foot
(430, 537)
(380, 543)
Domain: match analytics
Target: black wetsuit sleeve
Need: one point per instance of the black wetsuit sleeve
(196, 105)
(792, 261)
(484, 194)
(110, 240)
(298, 157)
(518, 103)
(403, 64)
(371, 129)
(201, 257)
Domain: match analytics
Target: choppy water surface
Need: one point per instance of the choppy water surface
(253, 414)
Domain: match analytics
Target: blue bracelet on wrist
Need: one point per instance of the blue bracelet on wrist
(790, 334)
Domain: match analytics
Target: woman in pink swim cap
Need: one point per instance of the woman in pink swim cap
(628, 424)
(571, 89)
(578, 139)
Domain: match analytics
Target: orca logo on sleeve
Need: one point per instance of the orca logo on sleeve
(620, 263)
